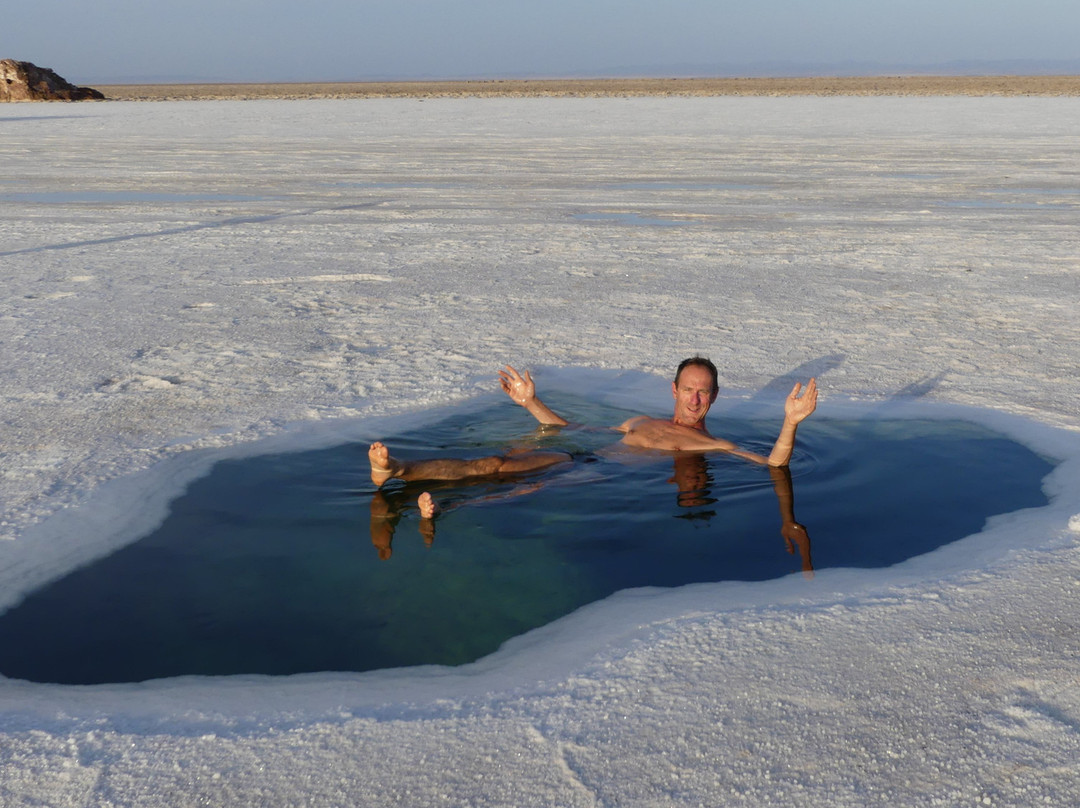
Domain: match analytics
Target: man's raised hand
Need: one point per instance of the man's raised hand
(522, 391)
(796, 407)
(520, 388)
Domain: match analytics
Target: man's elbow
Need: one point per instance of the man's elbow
(779, 458)
(761, 460)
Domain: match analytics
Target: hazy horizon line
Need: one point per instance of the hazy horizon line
(766, 70)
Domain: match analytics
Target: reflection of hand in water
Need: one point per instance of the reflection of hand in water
(694, 481)
(386, 510)
(794, 533)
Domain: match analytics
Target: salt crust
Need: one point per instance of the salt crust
(919, 256)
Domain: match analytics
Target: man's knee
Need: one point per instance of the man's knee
(531, 461)
(485, 466)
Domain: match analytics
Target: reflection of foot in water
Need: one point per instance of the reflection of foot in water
(428, 508)
(386, 512)
(384, 519)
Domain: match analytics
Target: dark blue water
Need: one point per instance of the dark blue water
(294, 562)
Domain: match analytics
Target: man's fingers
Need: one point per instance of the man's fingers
(811, 388)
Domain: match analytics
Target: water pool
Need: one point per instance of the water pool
(291, 563)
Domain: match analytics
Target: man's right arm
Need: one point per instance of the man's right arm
(655, 433)
(796, 410)
(521, 389)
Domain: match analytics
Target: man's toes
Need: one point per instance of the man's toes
(428, 506)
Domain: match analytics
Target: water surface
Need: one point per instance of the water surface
(294, 562)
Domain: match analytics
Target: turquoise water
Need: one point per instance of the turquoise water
(292, 563)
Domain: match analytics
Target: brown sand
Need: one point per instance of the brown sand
(511, 88)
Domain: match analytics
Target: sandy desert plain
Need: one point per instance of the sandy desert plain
(598, 88)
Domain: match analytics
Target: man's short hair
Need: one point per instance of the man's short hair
(700, 361)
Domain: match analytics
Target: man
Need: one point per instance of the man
(695, 389)
(685, 435)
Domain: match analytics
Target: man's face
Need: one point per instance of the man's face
(694, 394)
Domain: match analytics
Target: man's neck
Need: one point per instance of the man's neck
(697, 426)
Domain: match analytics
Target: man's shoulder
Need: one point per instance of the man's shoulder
(649, 429)
(637, 422)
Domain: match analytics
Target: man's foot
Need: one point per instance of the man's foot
(428, 506)
(383, 466)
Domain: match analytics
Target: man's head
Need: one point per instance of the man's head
(695, 389)
(699, 361)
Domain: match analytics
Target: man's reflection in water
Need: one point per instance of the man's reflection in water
(388, 506)
(694, 482)
(691, 476)
(386, 510)
(794, 533)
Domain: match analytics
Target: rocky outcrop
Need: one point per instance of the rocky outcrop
(23, 81)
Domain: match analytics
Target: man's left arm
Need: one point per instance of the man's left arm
(520, 388)
(796, 409)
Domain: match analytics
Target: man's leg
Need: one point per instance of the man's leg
(385, 467)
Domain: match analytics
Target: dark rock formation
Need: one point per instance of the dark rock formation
(22, 81)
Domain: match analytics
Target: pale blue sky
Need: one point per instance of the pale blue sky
(301, 40)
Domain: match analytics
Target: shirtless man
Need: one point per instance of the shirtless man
(695, 389)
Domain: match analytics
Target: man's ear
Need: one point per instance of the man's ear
(674, 390)
(715, 393)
